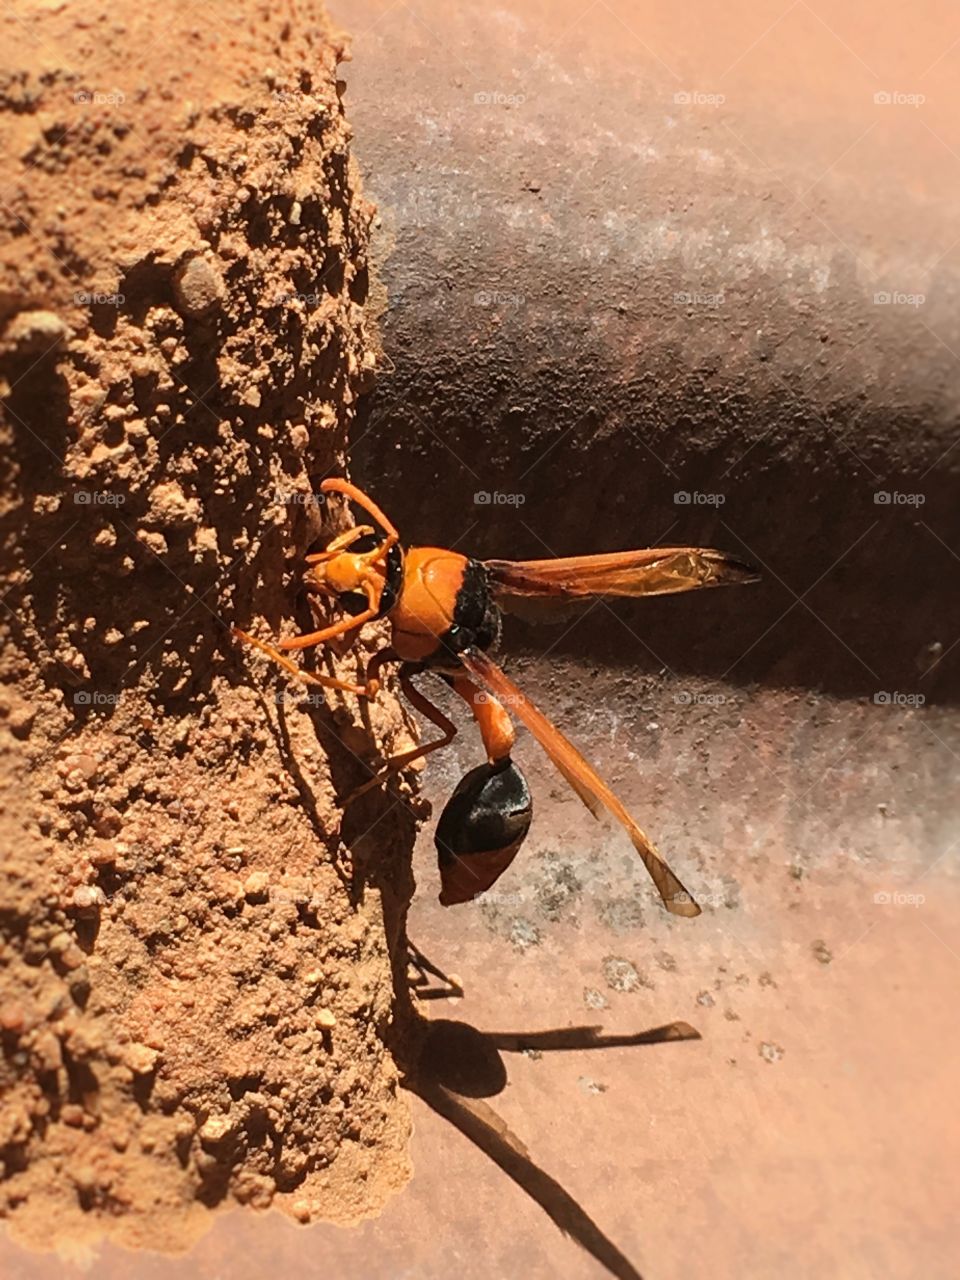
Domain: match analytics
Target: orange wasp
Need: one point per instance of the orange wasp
(444, 610)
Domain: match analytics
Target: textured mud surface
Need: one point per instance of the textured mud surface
(197, 981)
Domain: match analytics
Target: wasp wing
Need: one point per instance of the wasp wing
(581, 776)
(656, 571)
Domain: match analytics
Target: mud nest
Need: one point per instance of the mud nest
(198, 970)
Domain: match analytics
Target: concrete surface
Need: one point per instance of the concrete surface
(608, 286)
(636, 250)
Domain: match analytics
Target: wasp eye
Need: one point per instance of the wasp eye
(352, 602)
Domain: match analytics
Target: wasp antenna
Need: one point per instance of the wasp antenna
(336, 485)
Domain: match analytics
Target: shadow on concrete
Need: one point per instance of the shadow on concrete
(460, 1066)
(424, 971)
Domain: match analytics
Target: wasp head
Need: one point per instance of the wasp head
(352, 570)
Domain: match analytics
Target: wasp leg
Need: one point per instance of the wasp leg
(372, 677)
(331, 632)
(308, 677)
(496, 727)
(432, 713)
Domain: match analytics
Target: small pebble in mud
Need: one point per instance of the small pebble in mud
(72, 958)
(705, 998)
(88, 898)
(34, 332)
(822, 952)
(84, 1177)
(255, 886)
(47, 1052)
(20, 720)
(770, 1052)
(197, 288)
(141, 1059)
(214, 1129)
(169, 506)
(326, 1019)
(105, 539)
(119, 1137)
(154, 541)
(595, 999)
(71, 1113)
(12, 1017)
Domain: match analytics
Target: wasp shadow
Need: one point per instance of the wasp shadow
(447, 985)
(460, 1066)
